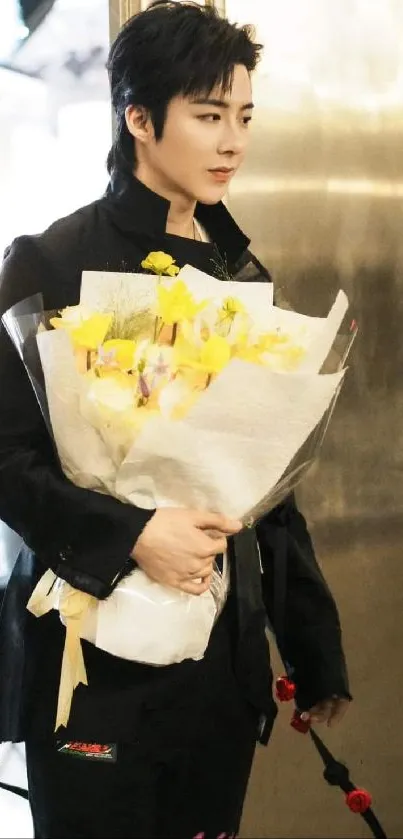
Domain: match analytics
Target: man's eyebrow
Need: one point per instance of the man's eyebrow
(220, 103)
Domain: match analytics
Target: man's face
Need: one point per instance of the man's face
(203, 144)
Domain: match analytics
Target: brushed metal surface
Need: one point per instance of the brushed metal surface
(321, 196)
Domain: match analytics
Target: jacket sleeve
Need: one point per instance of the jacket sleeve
(309, 640)
(84, 536)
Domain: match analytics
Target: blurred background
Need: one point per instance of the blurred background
(55, 123)
(321, 197)
(55, 133)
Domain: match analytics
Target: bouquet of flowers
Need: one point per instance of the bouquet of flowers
(172, 388)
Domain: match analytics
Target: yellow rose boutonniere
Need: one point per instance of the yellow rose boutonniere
(160, 263)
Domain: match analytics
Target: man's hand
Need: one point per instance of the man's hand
(178, 547)
(330, 711)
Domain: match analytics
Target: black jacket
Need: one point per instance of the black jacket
(86, 537)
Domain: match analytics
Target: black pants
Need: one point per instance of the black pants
(175, 793)
(183, 759)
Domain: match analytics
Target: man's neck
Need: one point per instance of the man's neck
(181, 210)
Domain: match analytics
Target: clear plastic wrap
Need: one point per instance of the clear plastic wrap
(231, 454)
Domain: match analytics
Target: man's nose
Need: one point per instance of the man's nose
(233, 141)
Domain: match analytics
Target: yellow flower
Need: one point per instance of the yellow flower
(279, 352)
(231, 307)
(160, 263)
(210, 356)
(176, 304)
(289, 359)
(248, 353)
(272, 349)
(154, 359)
(112, 401)
(272, 341)
(92, 332)
(215, 354)
(119, 352)
(71, 317)
(88, 332)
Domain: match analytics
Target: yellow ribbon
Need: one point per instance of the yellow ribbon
(73, 606)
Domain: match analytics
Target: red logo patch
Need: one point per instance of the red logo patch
(89, 751)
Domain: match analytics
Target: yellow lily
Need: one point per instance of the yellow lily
(160, 263)
(88, 333)
(247, 352)
(272, 341)
(210, 356)
(278, 351)
(215, 354)
(274, 350)
(176, 304)
(71, 317)
(92, 332)
(231, 307)
(119, 352)
(290, 358)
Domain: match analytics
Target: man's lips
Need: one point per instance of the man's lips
(227, 169)
(221, 173)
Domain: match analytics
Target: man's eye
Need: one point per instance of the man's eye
(209, 117)
(246, 120)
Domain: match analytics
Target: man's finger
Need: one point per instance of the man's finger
(322, 711)
(216, 521)
(198, 588)
(201, 574)
(212, 547)
(204, 572)
(213, 534)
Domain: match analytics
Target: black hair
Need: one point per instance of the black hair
(171, 49)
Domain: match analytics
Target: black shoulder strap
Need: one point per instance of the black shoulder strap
(23, 793)
(335, 772)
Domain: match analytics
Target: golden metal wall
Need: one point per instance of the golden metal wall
(120, 11)
(321, 196)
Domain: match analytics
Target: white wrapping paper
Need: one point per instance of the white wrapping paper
(225, 456)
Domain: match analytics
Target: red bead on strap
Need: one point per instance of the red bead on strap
(358, 800)
(285, 689)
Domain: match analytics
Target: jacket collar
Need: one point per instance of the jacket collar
(137, 209)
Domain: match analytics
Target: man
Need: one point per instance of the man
(151, 752)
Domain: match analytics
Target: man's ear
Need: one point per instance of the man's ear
(139, 123)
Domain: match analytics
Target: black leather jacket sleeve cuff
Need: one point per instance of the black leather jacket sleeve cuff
(101, 556)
